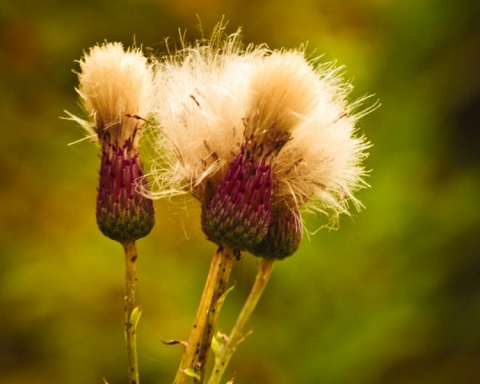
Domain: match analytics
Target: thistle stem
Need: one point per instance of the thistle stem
(228, 347)
(131, 321)
(194, 359)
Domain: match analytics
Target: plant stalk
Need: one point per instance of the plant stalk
(194, 359)
(131, 321)
(229, 344)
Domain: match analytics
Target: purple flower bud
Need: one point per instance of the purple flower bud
(123, 214)
(238, 214)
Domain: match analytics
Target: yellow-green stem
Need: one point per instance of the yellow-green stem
(229, 345)
(130, 325)
(194, 359)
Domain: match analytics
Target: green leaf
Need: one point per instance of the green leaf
(190, 372)
(218, 342)
(221, 300)
(135, 316)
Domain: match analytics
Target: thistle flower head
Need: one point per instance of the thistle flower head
(116, 92)
(257, 136)
(319, 167)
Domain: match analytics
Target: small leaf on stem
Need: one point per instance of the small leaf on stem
(135, 316)
(191, 373)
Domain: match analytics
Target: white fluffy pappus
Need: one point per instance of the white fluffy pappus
(116, 87)
(214, 96)
(200, 104)
(320, 167)
(282, 92)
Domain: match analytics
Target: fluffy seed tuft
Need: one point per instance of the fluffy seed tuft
(114, 87)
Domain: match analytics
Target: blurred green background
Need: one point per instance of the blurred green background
(393, 296)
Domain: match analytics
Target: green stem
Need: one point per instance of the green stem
(131, 321)
(228, 347)
(194, 359)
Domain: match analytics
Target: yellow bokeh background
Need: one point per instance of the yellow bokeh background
(392, 297)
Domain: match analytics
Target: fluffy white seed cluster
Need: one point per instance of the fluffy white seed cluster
(114, 86)
(321, 165)
(200, 106)
(214, 96)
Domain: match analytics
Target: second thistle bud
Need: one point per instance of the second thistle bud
(284, 234)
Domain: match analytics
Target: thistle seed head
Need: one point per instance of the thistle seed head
(239, 123)
(116, 92)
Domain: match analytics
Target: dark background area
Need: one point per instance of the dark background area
(392, 297)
